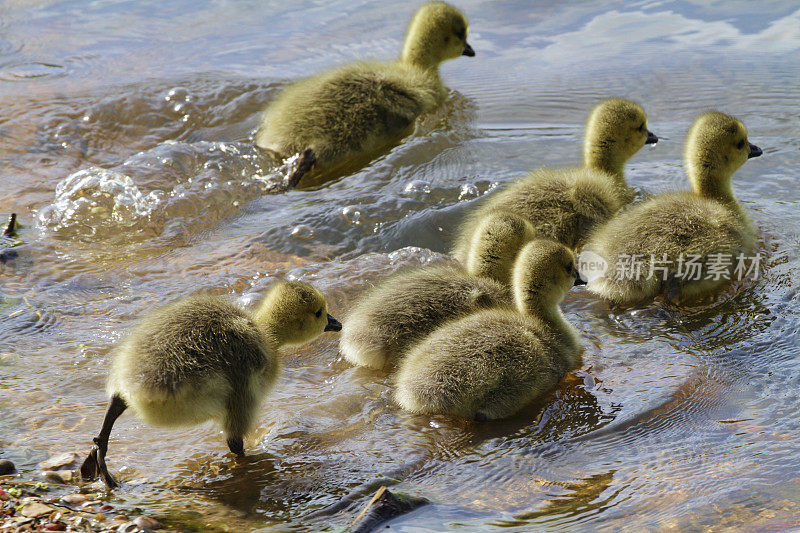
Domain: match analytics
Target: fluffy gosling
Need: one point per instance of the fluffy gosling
(354, 112)
(203, 358)
(492, 363)
(661, 231)
(406, 307)
(564, 204)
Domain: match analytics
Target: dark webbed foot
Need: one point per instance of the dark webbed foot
(90, 468)
(95, 465)
(304, 164)
(236, 445)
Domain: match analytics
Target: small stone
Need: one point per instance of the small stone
(73, 499)
(145, 522)
(120, 518)
(65, 461)
(105, 508)
(35, 510)
(6, 467)
(58, 476)
(54, 526)
(127, 527)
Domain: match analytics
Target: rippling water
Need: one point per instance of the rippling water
(125, 146)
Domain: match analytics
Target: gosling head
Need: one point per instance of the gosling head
(543, 274)
(616, 130)
(716, 147)
(438, 32)
(294, 312)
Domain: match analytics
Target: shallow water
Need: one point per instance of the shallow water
(125, 146)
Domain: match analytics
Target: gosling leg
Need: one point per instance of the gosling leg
(95, 463)
(11, 228)
(236, 445)
(304, 164)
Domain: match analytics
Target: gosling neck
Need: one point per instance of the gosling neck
(532, 297)
(420, 56)
(712, 185)
(532, 302)
(267, 324)
(599, 157)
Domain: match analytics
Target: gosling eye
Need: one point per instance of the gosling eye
(318, 313)
(568, 268)
(740, 145)
(641, 128)
(461, 34)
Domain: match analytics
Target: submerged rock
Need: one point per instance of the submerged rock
(383, 507)
(145, 522)
(65, 461)
(6, 467)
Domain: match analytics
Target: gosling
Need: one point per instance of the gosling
(354, 112)
(706, 225)
(490, 364)
(203, 358)
(411, 304)
(565, 204)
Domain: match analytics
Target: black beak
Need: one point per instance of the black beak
(755, 151)
(578, 279)
(651, 138)
(468, 51)
(333, 324)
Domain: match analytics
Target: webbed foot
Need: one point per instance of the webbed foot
(304, 164)
(95, 465)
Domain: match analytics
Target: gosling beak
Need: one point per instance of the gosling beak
(333, 324)
(578, 279)
(755, 151)
(468, 51)
(651, 138)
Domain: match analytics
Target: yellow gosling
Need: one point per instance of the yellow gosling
(706, 225)
(411, 304)
(492, 363)
(565, 204)
(203, 358)
(355, 112)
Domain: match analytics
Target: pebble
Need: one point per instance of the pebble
(58, 476)
(65, 461)
(35, 509)
(6, 467)
(145, 522)
(127, 527)
(106, 508)
(54, 526)
(73, 499)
